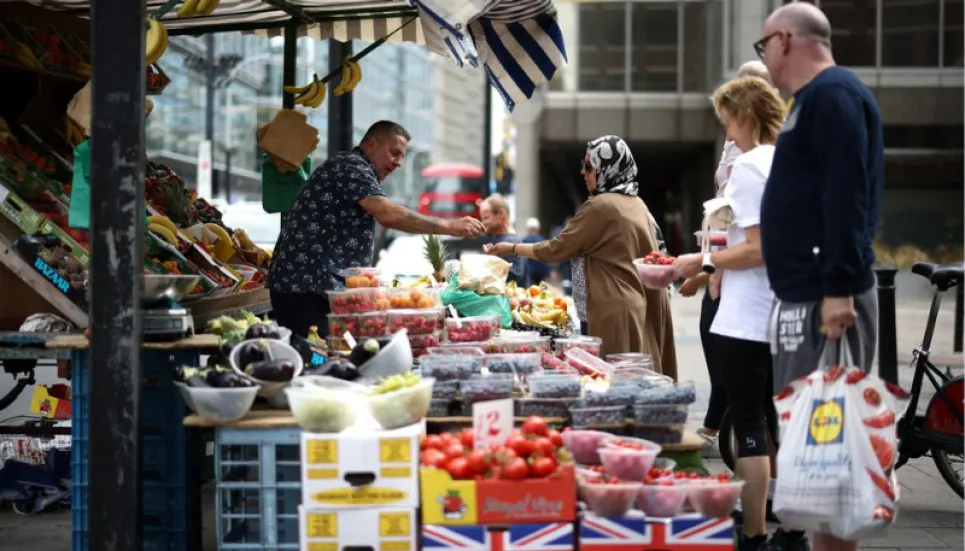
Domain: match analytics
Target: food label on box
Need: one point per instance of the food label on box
(364, 495)
(353, 529)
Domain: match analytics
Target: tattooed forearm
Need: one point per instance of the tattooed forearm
(397, 217)
(413, 222)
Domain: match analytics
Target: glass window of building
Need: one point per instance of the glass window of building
(853, 25)
(602, 47)
(952, 33)
(653, 46)
(702, 43)
(910, 33)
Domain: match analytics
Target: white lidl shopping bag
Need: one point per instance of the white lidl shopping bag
(835, 465)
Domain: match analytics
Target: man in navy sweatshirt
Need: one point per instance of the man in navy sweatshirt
(821, 205)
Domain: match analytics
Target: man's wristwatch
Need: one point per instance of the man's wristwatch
(708, 264)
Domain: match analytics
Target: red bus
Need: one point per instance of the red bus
(452, 190)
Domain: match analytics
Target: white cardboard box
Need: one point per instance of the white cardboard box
(333, 530)
(361, 469)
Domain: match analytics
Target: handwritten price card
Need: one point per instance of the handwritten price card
(491, 422)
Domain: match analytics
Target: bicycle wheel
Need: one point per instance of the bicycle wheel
(946, 465)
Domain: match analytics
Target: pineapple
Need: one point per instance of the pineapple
(437, 254)
(176, 204)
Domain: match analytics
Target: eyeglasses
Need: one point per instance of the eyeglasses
(761, 44)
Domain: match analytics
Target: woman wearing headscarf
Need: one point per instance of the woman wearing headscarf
(611, 229)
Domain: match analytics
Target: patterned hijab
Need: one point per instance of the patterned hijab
(616, 171)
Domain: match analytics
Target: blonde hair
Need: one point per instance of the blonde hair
(752, 99)
(497, 203)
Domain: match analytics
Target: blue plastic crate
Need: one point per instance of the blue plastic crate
(258, 481)
(165, 452)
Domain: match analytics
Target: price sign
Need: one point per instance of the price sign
(349, 339)
(491, 422)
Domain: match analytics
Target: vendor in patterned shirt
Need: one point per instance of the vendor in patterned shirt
(331, 227)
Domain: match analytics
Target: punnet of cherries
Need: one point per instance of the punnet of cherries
(533, 451)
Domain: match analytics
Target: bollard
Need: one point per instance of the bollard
(887, 325)
(959, 296)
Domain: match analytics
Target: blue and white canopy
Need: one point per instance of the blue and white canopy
(517, 42)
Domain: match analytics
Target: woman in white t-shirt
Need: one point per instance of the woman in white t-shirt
(752, 112)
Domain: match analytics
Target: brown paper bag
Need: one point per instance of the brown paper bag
(289, 137)
(483, 273)
(79, 107)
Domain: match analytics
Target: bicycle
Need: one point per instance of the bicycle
(939, 431)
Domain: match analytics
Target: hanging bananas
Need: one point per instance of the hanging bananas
(157, 40)
(310, 95)
(191, 8)
(351, 76)
(26, 57)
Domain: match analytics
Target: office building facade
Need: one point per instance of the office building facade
(644, 70)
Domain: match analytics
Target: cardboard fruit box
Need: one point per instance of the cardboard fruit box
(484, 502)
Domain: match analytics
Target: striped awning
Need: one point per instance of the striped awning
(361, 18)
(368, 30)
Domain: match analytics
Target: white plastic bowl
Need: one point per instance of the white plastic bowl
(404, 407)
(303, 399)
(655, 276)
(279, 350)
(394, 359)
(219, 405)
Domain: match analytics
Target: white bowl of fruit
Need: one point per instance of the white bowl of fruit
(656, 270)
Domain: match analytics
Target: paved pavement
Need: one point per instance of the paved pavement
(930, 514)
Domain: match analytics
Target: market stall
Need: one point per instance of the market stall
(141, 219)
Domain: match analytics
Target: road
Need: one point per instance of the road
(930, 514)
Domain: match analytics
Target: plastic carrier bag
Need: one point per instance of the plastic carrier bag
(279, 189)
(470, 303)
(835, 465)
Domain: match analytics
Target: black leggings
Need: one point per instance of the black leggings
(718, 395)
(748, 383)
(300, 311)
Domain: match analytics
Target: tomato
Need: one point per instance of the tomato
(514, 470)
(555, 437)
(520, 445)
(432, 457)
(478, 461)
(455, 450)
(501, 456)
(433, 441)
(467, 438)
(535, 425)
(459, 469)
(543, 446)
(541, 467)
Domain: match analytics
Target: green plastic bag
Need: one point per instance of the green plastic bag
(279, 189)
(79, 215)
(469, 303)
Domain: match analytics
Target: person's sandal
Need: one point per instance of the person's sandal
(704, 433)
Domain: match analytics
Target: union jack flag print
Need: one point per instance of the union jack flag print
(556, 536)
(636, 533)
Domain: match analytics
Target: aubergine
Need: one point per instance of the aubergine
(253, 352)
(226, 348)
(197, 381)
(229, 379)
(321, 369)
(271, 371)
(263, 331)
(364, 351)
(342, 369)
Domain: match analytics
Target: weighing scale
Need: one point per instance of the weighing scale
(163, 318)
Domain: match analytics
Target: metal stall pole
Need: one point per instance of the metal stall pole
(288, 74)
(340, 124)
(487, 160)
(887, 325)
(959, 307)
(117, 234)
(210, 85)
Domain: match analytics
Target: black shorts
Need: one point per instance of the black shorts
(300, 311)
(747, 374)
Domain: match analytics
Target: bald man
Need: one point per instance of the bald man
(821, 207)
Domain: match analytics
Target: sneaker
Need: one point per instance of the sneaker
(751, 544)
(787, 541)
(705, 433)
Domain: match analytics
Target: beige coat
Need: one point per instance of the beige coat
(611, 230)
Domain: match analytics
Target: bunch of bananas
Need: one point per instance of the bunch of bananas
(26, 57)
(74, 132)
(190, 8)
(157, 40)
(311, 95)
(164, 228)
(351, 76)
(548, 319)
